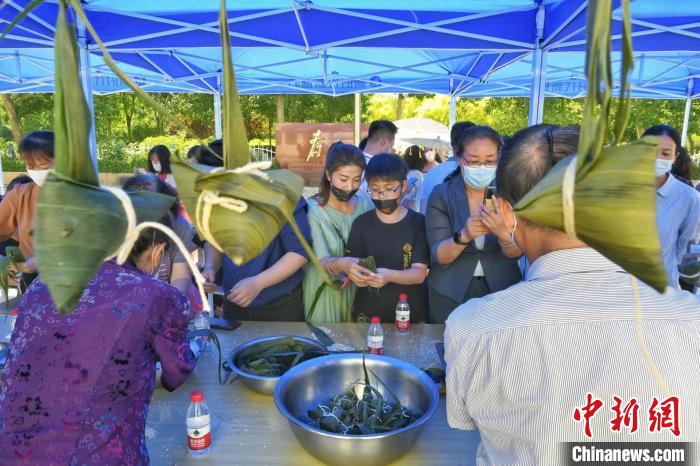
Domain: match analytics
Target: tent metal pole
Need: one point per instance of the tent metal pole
(453, 110)
(2, 180)
(86, 81)
(686, 114)
(686, 120)
(358, 119)
(218, 132)
(539, 63)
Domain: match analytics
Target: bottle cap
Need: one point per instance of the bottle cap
(196, 396)
(403, 297)
(375, 319)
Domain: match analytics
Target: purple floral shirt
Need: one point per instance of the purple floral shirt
(76, 387)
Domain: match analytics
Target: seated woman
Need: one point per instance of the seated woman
(331, 213)
(77, 386)
(159, 164)
(173, 268)
(18, 205)
(472, 252)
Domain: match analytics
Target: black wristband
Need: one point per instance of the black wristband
(457, 238)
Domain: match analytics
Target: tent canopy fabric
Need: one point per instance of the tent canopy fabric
(338, 47)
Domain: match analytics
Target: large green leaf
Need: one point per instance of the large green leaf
(77, 227)
(613, 208)
(72, 118)
(236, 151)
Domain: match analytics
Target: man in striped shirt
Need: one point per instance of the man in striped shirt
(522, 363)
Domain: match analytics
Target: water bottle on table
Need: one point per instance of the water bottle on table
(198, 425)
(403, 314)
(375, 337)
(201, 322)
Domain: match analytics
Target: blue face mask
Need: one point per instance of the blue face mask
(663, 167)
(478, 177)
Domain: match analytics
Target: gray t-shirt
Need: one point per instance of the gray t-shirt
(185, 231)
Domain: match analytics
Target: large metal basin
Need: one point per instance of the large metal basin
(305, 386)
(259, 383)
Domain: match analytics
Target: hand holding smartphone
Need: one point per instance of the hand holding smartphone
(489, 202)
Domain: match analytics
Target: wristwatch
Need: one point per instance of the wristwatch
(457, 238)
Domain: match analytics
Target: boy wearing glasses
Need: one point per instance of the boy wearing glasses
(395, 237)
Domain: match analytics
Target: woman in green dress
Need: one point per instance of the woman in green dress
(331, 213)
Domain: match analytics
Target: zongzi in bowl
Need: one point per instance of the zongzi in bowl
(261, 362)
(306, 387)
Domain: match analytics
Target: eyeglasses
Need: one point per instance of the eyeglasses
(479, 164)
(373, 192)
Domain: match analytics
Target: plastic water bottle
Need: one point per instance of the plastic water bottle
(201, 322)
(375, 337)
(403, 314)
(198, 425)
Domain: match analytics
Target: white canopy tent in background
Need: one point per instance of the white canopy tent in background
(422, 132)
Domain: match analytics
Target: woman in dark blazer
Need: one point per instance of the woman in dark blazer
(472, 252)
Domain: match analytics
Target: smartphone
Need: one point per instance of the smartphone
(489, 202)
(694, 249)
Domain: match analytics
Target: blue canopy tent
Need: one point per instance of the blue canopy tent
(338, 47)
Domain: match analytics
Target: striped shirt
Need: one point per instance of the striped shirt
(520, 361)
(678, 221)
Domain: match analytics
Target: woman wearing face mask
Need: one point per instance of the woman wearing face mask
(677, 204)
(17, 207)
(78, 386)
(331, 213)
(159, 164)
(472, 251)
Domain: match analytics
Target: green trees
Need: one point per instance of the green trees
(125, 127)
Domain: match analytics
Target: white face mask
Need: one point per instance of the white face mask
(39, 176)
(478, 177)
(662, 167)
(156, 166)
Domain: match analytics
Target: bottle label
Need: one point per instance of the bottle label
(403, 319)
(375, 345)
(199, 438)
(402, 324)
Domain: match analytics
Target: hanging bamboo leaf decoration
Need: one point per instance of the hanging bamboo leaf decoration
(71, 113)
(270, 198)
(77, 224)
(614, 194)
(5, 279)
(236, 150)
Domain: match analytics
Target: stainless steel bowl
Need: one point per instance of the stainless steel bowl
(305, 386)
(260, 383)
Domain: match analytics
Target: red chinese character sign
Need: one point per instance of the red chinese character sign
(585, 413)
(627, 416)
(664, 415)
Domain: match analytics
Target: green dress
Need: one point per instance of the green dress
(327, 226)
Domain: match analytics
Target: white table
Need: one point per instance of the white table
(247, 429)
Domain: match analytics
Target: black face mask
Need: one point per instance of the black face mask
(387, 206)
(341, 194)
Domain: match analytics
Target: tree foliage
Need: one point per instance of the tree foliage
(124, 124)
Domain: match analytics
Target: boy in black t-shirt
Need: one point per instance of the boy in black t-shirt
(395, 237)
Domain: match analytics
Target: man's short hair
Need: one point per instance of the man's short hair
(386, 167)
(381, 129)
